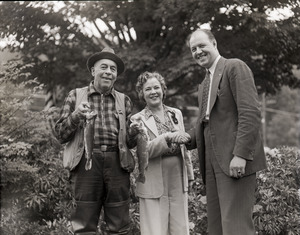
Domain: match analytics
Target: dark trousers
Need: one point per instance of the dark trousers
(230, 201)
(107, 185)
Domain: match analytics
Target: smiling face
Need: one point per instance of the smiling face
(152, 92)
(105, 74)
(204, 50)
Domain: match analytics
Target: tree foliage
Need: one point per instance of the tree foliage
(152, 35)
(283, 118)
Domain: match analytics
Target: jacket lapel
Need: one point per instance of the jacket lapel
(151, 125)
(215, 82)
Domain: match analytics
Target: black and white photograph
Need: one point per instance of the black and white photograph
(150, 117)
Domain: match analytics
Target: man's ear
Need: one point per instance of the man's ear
(215, 43)
(93, 71)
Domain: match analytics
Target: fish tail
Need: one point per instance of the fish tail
(88, 164)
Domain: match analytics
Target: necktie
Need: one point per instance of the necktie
(206, 84)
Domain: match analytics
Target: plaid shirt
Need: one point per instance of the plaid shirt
(106, 121)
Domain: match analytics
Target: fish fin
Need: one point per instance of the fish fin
(147, 161)
(141, 178)
(88, 164)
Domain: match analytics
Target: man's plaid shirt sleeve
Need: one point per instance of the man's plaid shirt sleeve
(128, 107)
(66, 126)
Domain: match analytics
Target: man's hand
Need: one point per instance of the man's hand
(137, 126)
(82, 110)
(237, 167)
(179, 137)
(134, 128)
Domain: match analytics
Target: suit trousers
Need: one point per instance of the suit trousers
(230, 201)
(106, 185)
(167, 215)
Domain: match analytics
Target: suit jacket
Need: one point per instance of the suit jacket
(153, 186)
(235, 118)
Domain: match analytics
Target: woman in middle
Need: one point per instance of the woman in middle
(163, 197)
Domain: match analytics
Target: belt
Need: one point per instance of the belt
(106, 148)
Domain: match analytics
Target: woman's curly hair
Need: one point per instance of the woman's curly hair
(142, 79)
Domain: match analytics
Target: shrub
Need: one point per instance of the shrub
(34, 189)
(197, 201)
(277, 209)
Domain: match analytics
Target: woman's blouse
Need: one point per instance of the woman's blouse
(174, 149)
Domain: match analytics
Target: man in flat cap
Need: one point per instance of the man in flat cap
(92, 125)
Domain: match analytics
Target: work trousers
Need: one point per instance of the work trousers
(230, 201)
(105, 184)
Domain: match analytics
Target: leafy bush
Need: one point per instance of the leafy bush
(34, 189)
(277, 209)
(197, 201)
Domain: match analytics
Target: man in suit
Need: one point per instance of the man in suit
(227, 136)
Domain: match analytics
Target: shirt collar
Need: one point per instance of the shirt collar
(214, 65)
(92, 90)
(148, 112)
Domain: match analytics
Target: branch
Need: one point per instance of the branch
(8, 118)
(114, 31)
(20, 100)
(283, 112)
(119, 27)
(18, 127)
(129, 34)
(100, 40)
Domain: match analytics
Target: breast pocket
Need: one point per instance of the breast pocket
(224, 93)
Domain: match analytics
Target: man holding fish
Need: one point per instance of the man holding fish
(92, 124)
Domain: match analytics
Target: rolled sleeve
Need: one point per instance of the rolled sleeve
(66, 125)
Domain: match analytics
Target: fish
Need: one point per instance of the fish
(89, 139)
(142, 150)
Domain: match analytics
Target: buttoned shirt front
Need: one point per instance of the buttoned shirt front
(106, 121)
